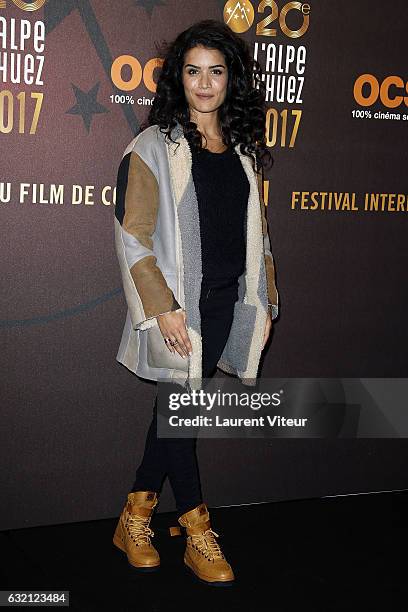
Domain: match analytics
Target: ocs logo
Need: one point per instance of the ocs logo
(135, 71)
(24, 6)
(391, 98)
(239, 16)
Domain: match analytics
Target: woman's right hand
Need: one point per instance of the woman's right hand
(173, 326)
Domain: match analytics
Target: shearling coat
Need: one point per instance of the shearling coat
(158, 244)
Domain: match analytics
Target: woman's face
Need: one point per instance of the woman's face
(205, 79)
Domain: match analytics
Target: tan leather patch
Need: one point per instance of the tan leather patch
(156, 295)
(270, 279)
(141, 208)
(141, 201)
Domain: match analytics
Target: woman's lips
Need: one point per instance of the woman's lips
(203, 96)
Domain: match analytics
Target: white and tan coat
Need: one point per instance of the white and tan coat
(157, 239)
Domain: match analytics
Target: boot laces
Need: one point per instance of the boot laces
(139, 529)
(207, 544)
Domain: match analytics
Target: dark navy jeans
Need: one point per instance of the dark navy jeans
(176, 457)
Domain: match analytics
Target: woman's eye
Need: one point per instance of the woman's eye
(193, 71)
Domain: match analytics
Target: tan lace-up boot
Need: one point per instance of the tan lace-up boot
(203, 554)
(133, 533)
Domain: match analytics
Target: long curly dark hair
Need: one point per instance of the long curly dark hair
(242, 114)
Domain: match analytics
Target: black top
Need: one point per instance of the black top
(222, 190)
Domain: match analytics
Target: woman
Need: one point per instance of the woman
(198, 273)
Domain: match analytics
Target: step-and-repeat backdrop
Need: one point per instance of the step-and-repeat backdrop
(77, 77)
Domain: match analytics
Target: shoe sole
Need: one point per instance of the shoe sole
(215, 583)
(140, 568)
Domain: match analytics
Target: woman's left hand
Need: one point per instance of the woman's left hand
(268, 327)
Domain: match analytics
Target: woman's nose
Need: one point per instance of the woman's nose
(204, 81)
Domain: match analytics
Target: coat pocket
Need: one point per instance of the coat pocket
(238, 345)
(158, 355)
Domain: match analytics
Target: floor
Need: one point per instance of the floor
(329, 554)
